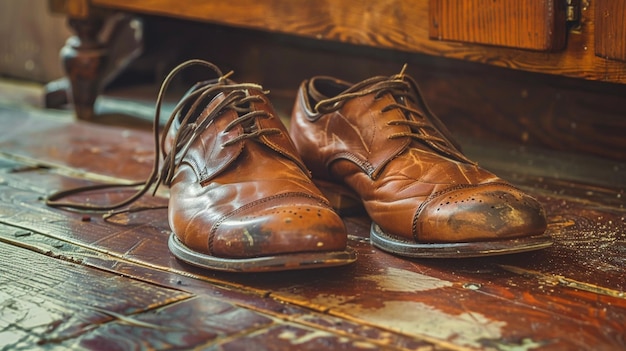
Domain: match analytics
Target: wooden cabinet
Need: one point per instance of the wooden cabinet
(532, 36)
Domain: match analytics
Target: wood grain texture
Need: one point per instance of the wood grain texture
(45, 300)
(610, 36)
(197, 322)
(534, 25)
(389, 24)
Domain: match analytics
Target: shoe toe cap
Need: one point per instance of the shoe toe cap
(485, 212)
(276, 230)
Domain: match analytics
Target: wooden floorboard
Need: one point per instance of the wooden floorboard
(570, 296)
(46, 300)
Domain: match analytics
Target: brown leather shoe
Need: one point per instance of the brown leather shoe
(240, 197)
(425, 198)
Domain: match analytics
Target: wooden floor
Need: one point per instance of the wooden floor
(70, 280)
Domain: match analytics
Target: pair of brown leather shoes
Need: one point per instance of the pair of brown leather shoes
(242, 197)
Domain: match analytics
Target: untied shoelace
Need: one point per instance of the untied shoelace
(236, 94)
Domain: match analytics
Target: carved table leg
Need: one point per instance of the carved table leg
(84, 58)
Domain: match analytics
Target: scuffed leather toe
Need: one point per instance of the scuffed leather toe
(274, 229)
(483, 212)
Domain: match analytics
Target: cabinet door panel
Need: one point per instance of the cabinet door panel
(534, 25)
(610, 35)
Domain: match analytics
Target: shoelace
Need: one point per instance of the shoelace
(425, 126)
(237, 97)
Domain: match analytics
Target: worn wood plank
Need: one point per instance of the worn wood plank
(195, 322)
(48, 139)
(289, 337)
(44, 300)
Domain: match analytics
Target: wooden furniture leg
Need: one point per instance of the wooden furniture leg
(84, 59)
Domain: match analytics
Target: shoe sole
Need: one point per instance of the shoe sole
(284, 262)
(456, 250)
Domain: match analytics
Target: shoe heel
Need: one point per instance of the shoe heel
(343, 200)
